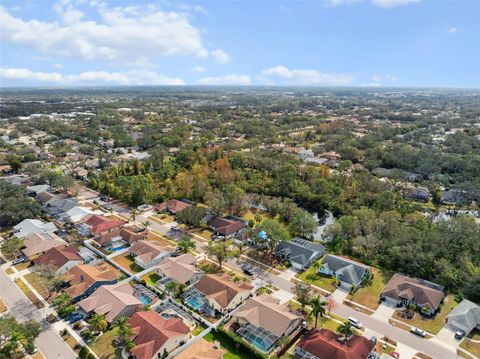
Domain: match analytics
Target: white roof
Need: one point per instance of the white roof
(77, 213)
(30, 226)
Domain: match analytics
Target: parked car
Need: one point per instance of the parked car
(355, 322)
(417, 331)
(174, 228)
(74, 317)
(247, 269)
(104, 198)
(459, 334)
(373, 339)
(19, 260)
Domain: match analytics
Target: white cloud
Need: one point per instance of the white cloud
(372, 84)
(452, 31)
(198, 69)
(58, 65)
(134, 77)
(232, 79)
(392, 3)
(220, 56)
(387, 77)
(117, 34)
(308, 77)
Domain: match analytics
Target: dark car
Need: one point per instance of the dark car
(459, 334)
(104, 198)
(19, 260)
(247, 269)
(74, 317)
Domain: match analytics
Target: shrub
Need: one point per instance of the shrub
(30, 348)
(84, 352)
(78, 326)
(91, 356)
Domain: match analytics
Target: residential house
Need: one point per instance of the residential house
(403, 291)
(300, 252)
(180, 269)
(349, 273)
(227, 227)
(57, 206)
(32, 226)
(149, 253)
(465, 316)
(84, 279)
(154, 335)
(202, 349)
(264, 313)
(44, 197)
(39, 243)
(63, 258)
(114, 301)
(80, 214)
(221, 293)
(34, 191)
(97, 225)
(417, 193)
(454, 196)
(325, 344)
(172, 206)
(118, 238)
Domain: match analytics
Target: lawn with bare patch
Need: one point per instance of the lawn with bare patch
(126, 261)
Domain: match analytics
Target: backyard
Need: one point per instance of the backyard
(103, 346)
(151, 278)
(369, 295)
(311, 276)
(232, 351)
(430, 325)
(126, 261)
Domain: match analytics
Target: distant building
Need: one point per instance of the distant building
(417, 193)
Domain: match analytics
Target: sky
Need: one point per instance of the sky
(388, 43)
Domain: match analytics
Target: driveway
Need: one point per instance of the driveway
(339, 295)
(49, 341)
(384, 312)
(288, 274)
(446, 337)
(283, 296)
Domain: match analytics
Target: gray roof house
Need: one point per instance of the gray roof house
(60, 205)
(465, 316)
(348, 272)
(300, 252)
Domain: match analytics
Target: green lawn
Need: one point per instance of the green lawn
(368, 296)
(431, 325)
(230, 347)
(151, 278)
(471, 347)
(37, 282)
(320, 280)
(250, 215)
(198, 329)
(22, 266)
(126, 261)
(103, 346)
(23, 287)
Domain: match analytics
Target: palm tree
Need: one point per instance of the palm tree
(62, 300)
(186, 244)
(16, 341)
(318, 308)
(346, 329)
(146, 224)
(133, 214)
(171, 287)
(98, 322)
(125, 331)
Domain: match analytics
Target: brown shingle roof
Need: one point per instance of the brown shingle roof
(58, 256)
(226, 226)
(421, 292)
(324, 343)
(152, 332)
(172, 205)
(41, 242)
(99, 224)
(147, 251)
(83, 276)
(179, 268)
(221, 288)
(124, 233)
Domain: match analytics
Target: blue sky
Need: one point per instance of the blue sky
(308, 43)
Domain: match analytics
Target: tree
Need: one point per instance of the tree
(16, 337)
(219, 250)
(62, 301)
(345, 329)
(303, 225)
(186, 244)
(133, 214)
(171, 287)
(15, 206)
(275, 233)
(303, 292)
(318, 308)
(50, 277)
(146, 224)
(98, 322)
(234, 198)
(192, 216)
(11, 247)
(125, 331)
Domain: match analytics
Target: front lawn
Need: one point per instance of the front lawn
(204, 233)
(430, 325)
(37, 282)
(30, 295)
(126, 261)
(471, 347)
(151, 278)
(103, 346)
(21, 266)
(311, 276)
(369, 295)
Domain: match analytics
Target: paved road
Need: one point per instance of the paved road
(49, 341)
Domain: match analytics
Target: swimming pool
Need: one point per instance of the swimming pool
(194, 302)
(145, 299)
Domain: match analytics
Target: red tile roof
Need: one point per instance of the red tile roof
(152, 332)
(172, 205)
(124, 233)
(58, 256)
(226, 226)
(324, 343)
(100, 224)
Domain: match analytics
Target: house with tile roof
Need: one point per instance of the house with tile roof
(264, 315)
(180, 269)
(155, 336)
(118, 238)
(402, 290)
(149, 253)
(114, 301)
(97, 225)
(83, 279)
(226, 226)
(465, 316)
(39, 243)
(299, 252)
(349, 273)
(221, 293)
(63, 258)
(202, 349)
(172, 206)
(31, 226)
(325, 344)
